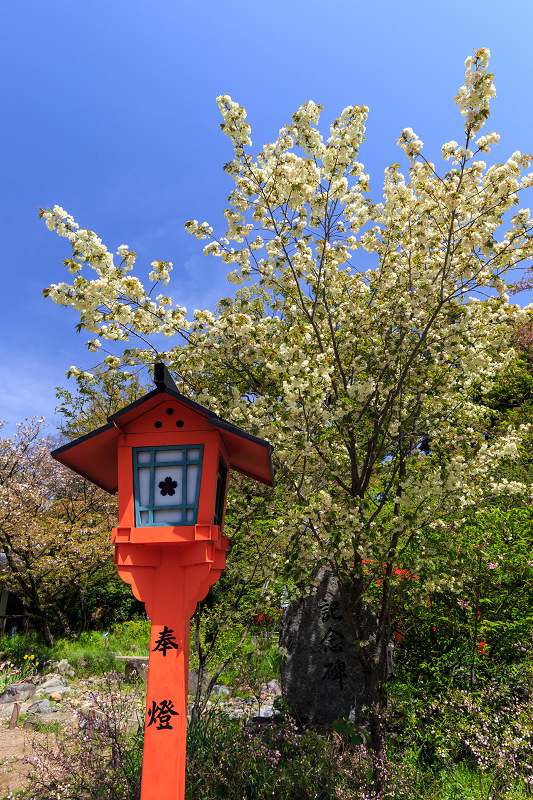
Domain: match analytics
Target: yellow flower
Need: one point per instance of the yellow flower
(32, 656)
(25, 657)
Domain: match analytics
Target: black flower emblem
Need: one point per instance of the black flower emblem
(168, 486)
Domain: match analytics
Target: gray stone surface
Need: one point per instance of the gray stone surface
(17, 692)
(274, 687)
(219, 690)
(41, 707)
(136, 669)
(53, 682)
(63, 717)
(62, 667)
(193, 681)
(7, 710)
(322, 678)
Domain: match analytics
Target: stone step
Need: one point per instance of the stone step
(137, 658)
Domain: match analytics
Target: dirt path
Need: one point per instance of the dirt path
(14, 747)
(17, 745)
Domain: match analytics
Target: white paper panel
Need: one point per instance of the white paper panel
(162, 456)
(144, 457)
(192, 477)
(144, 485)
(169, 516)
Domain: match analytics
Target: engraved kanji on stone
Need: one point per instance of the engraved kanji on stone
(333, 641)
(335, 670)
(166, 641)
(160, 714)
(329, 609)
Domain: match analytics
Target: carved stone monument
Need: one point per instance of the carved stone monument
(322, 677)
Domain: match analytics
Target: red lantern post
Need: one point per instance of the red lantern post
(168, 457)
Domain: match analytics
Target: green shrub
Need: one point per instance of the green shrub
(485, 733)
(225, 759)
(132, 632)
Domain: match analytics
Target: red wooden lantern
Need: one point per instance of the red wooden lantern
(168, 457)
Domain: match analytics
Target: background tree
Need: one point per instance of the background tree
(95, 400)
(54, 527)
(358, 341)
(474, 637)
(465, 639)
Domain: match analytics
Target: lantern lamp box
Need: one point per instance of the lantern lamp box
(169, 458)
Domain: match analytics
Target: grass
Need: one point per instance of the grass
(88, 654)
(42, 727)
(462, 783)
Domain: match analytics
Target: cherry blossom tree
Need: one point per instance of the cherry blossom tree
(359, 338)
(54, 527)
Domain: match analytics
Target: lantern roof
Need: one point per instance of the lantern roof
(95, 455)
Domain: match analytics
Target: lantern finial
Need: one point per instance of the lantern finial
(162, 377)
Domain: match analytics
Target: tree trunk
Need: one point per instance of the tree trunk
(67, 630)
(373, 657)
(376, 702)
(83, 609)
(45, 629)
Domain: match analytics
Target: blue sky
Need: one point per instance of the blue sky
(109, 111)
